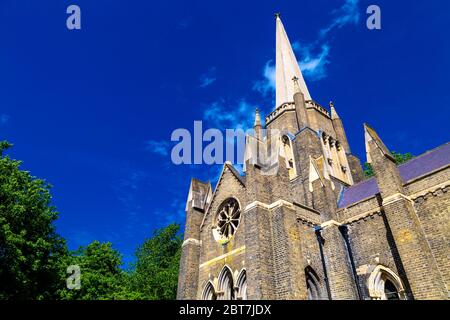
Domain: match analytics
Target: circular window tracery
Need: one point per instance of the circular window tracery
(228, 218)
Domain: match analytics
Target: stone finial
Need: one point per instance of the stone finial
(371, 135)
(296, 85)
(257, 118)
(334, 114)
(277, 15)
(257, 125)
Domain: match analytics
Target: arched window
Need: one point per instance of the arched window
(312, 284)
(384, 284)
(226, 284)
(390, 290)
(287, 146)
(242, 285)
(208, 292)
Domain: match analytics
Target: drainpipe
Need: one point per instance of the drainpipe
(322, 257)
(344, 231)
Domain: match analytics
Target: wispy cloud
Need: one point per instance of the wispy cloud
(129, 189)
(175, 213)
(158, 147)
(208, 78)
(4, 119)
(313, 62)
(348, 13)
(266, 86)
(221, 114)
(314, 56)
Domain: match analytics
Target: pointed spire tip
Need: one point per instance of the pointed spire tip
(286, 68)
(277, 15)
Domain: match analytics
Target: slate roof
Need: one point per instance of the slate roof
(423, 164)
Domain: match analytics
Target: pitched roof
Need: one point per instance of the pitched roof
(423, 164)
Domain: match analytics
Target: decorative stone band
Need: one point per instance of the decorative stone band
(191, 241)
(307, 222)
(396, 197)
(369, 213)
(430, 190)
(223, 256)
(272, 206)
(318, 107)
(279, 111)
(330, 223)
(312, 220)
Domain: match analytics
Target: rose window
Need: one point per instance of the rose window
(228, 218)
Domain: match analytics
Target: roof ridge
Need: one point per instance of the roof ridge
(425, 153)
(400, 165)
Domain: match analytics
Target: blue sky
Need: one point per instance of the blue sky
(92, 110)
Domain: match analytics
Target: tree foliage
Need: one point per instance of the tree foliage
(155, 273)
(399, 159)
(29, 246)
(101, 275)
(34, 258)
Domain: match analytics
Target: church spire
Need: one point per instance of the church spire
(286, 68)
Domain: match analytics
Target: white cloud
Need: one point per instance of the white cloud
(348, 13)
(158, 147)
(313, 66)
(266, 86)
(222, 115)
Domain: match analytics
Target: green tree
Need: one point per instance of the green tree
(34, 258)
(155, 274)
(30, 249)
(101, 275)
(399, 159)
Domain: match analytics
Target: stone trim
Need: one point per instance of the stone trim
(396, 197)
(330, 223)
(307, 222)
(369, 213)
(223, 256)
(307, 208)
(191, 241)
(287, 106)
(433, 189)
(272, 206)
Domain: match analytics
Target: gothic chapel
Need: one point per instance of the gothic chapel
(316, 229)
